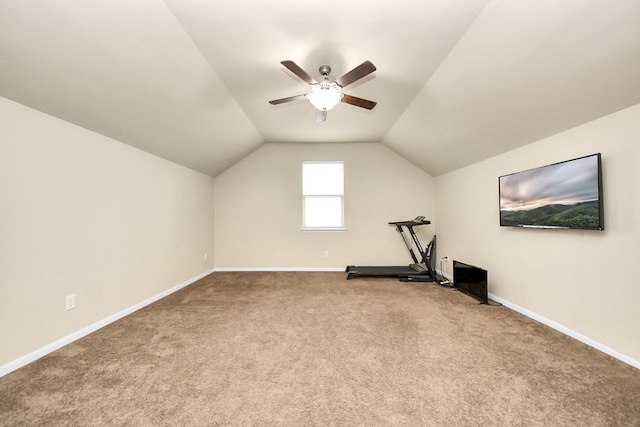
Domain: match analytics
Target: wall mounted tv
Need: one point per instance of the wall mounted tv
(562, 195)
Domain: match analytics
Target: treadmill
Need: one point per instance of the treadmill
(422, 269)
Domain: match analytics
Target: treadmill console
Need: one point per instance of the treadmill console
(419, 220)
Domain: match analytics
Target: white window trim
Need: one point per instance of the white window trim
(324, 229)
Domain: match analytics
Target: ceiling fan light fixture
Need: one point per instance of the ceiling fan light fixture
(324, 97)
(325, 92)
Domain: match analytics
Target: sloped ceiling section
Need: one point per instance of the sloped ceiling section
(127, 70)
(457, 81)
(523, 71)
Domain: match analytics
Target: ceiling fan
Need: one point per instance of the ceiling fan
(325, 94)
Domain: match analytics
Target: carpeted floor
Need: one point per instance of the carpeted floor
(316, 349)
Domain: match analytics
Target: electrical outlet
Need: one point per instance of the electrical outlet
(326, 254)
(70, 302)
(206, 255)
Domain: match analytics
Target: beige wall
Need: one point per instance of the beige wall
(86, 215)
(583, 280)
(259, 208)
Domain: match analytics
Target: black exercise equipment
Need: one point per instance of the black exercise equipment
(421, 270)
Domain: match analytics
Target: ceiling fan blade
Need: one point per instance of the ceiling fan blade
(288, 99)
(295, 69)
(358, 102)
(321, 116)
(357, 73)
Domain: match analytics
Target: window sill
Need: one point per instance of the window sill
(324, 230)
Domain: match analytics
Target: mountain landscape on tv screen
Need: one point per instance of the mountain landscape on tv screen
(579, 215)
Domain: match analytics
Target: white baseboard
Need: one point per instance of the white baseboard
(445, 275)
(570, 332)
(37, 354)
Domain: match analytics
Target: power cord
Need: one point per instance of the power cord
(444, 282)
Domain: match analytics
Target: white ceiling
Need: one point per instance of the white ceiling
(457, 81)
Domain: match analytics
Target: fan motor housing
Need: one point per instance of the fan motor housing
(325, 70)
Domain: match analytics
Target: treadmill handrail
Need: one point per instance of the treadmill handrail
(410, 223)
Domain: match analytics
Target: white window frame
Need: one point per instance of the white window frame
(305, 197)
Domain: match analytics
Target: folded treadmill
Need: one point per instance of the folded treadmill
(422, 269)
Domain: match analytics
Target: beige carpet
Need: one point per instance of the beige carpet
(316, 349)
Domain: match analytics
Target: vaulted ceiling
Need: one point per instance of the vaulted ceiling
(457, 81)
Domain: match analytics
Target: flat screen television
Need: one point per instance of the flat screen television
(470, 280)
(561, 195)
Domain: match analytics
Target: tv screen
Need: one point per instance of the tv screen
(471, 280)
(562, 195)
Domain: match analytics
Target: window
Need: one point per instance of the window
(323, 195)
